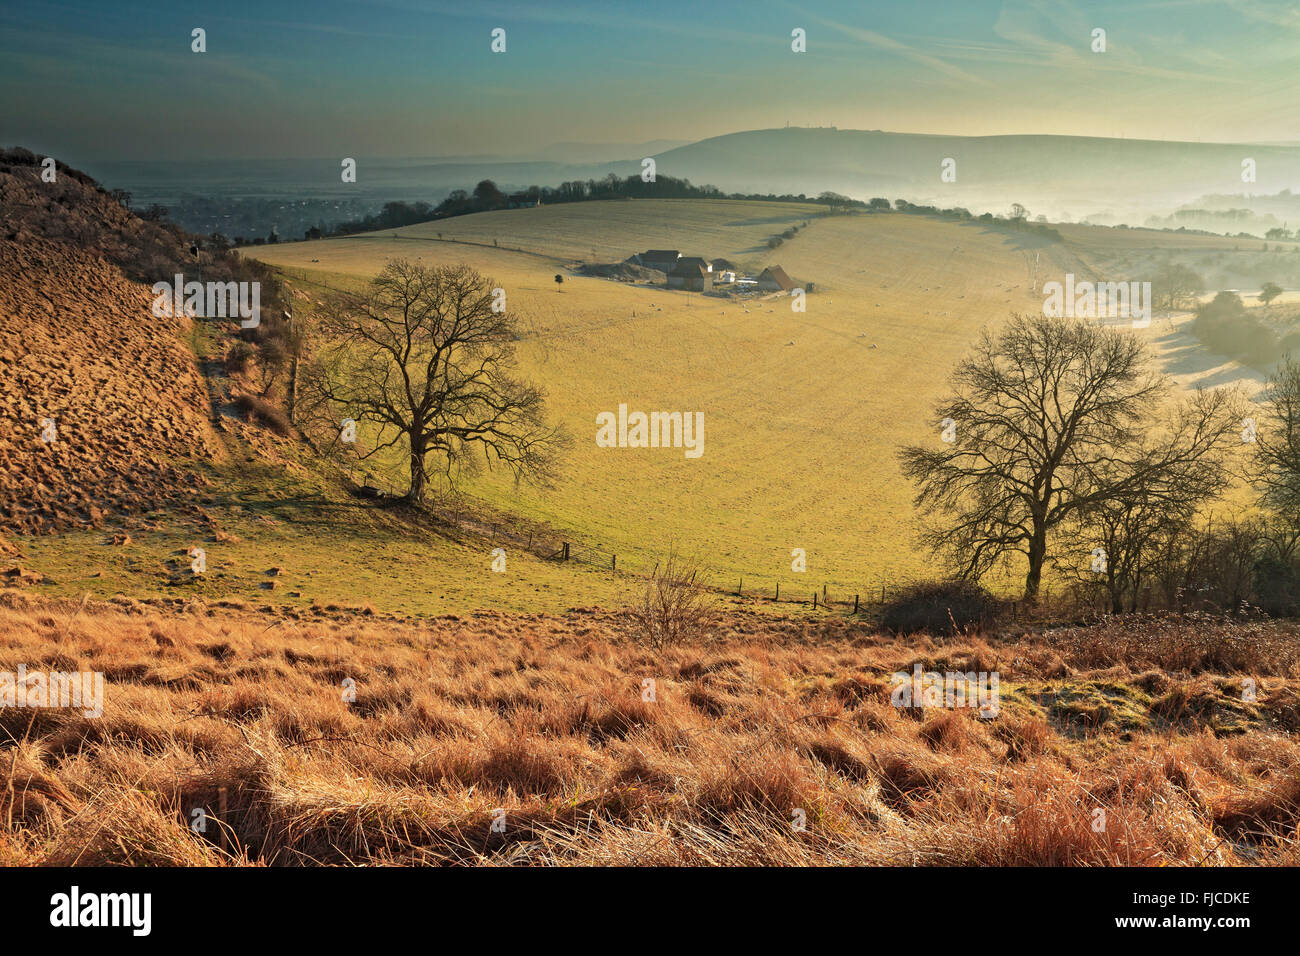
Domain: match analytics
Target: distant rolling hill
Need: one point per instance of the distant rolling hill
(1054, 175)
(1071, 177)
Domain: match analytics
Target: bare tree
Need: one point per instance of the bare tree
(1049, 425)
(836, 201)
(1219, 561)
(1275, 468)
(1175, 286)
(1123, 538)
(427, 360)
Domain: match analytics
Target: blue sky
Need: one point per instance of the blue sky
(413, 78)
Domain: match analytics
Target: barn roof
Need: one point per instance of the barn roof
(777, 274)
(690, 266)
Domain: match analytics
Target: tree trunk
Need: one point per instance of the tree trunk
(1037, 554)
(415, 493)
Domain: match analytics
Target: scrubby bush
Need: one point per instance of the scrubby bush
(1228, 327)
(238, 357)
(675, 607)
(1277, 587)
(941, 608)
(270, 415)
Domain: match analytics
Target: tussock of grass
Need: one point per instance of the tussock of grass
(771, 744)
(1190, 643)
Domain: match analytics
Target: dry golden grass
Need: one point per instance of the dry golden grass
(544, 717)
(804, 412)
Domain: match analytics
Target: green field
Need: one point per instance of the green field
(803, 413)
(613, 230)
(286, 538)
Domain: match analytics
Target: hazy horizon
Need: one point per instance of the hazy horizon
(120, 82)
(527, 157)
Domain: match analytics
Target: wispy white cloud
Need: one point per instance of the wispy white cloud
(1059, 35)
(88, 59)
(882, 42)
(580, 15)
(1278, 14)
(325, 28)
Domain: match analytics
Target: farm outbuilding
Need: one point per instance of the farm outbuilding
(774, 279)
(662, 259)
(691, 275)
(691, 262)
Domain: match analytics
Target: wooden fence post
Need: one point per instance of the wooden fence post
(814, 600)
(778, 591)
(566, 551)
(855, 604)
(613, 562)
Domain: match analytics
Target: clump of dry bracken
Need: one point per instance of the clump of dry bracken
(233, 738)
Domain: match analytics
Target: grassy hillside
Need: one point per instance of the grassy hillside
(803, 415)
(613, 230)
(282, 538)
(803, 412)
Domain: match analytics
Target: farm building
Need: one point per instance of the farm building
(661, 259)
(522, 201)
(774, 279)
(691, 275)
(692, 261)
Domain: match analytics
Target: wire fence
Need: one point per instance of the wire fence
(549, 545)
